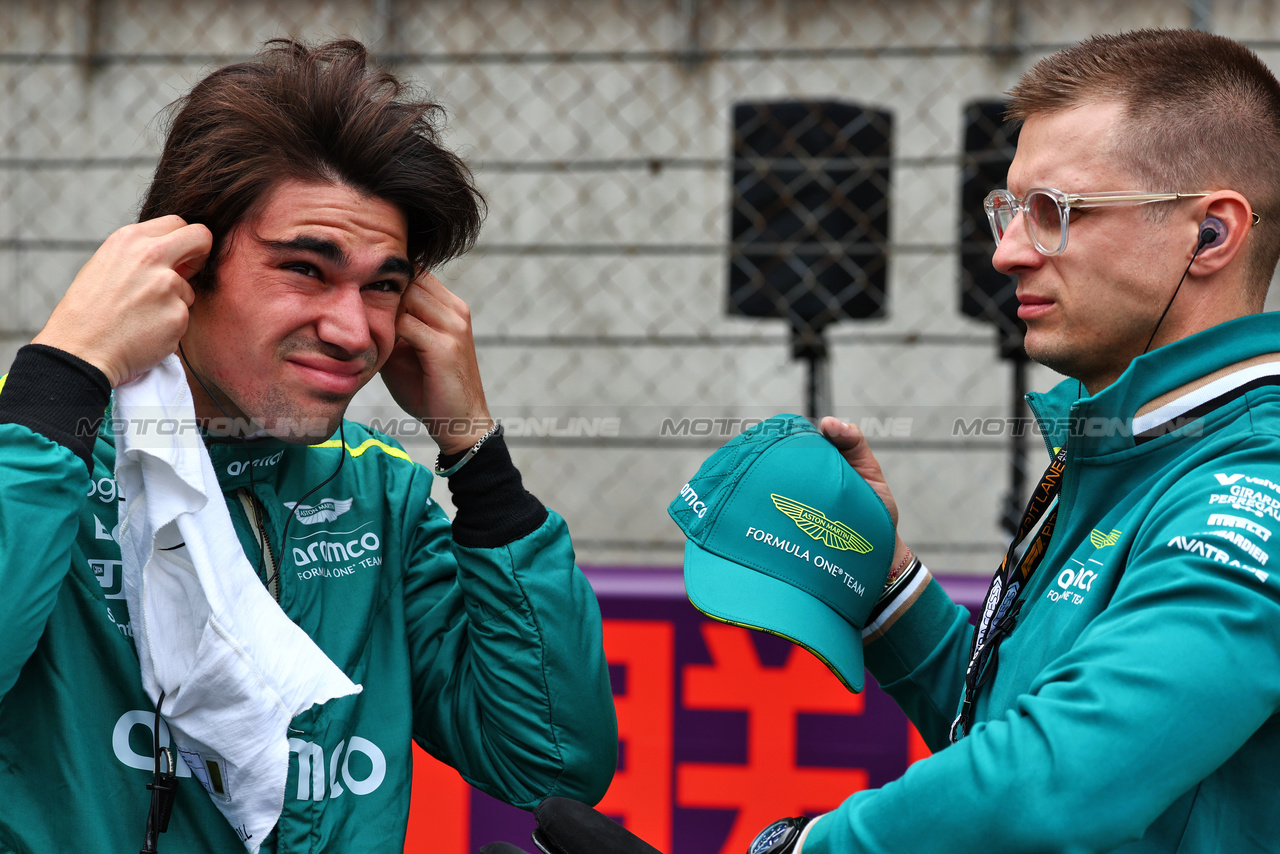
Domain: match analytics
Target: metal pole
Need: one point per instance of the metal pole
(818, 386)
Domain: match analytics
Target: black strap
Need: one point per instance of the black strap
(1001, 605)
(163, 787)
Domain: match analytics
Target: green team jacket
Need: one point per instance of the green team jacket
(482, 643)
(1133, 708)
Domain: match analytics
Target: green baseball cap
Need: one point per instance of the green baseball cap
(785, 537)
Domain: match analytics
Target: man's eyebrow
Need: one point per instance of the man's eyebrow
(396, 265)
(326, 249)
(332, 252)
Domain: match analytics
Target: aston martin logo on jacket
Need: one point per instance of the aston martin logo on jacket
(1101, 540)
(324, 511)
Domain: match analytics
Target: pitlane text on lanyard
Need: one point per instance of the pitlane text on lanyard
(1001, 605)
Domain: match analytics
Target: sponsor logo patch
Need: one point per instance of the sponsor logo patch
(1244, 499)
(1074, 583)
(360, 778)
(100, 531)
(354, 765)
(833, 534)
(1229, 479)
(1223, 520)
(104, 489)
(1249, 546)
(110, 574)
(696, 504)
(1101, 540)
(239, 467)
(324, 511)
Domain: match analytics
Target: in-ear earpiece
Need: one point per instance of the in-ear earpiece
(1212, 232)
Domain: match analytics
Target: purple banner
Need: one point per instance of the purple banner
(723, 730)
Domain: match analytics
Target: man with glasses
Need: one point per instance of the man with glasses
(1120, 689)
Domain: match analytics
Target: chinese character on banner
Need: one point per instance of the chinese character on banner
(720, 732)
(770, 785)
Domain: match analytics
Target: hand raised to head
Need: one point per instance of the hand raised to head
(433, 373)
(128, 306)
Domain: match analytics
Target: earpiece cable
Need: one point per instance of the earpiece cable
(1207, 236)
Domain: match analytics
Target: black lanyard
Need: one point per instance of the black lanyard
(1001, 605)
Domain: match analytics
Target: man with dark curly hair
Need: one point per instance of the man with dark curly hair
(282, 258)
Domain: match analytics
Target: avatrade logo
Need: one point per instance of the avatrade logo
(1101, 540)
(834, 535)
(326, 511)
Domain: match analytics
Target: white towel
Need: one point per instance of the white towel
(234, 669)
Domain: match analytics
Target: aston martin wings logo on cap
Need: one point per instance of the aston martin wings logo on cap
(835, 535)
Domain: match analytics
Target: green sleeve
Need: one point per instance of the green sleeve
(51, 404)
(920, 662)
(510, 684)
(1160, 690)
(42, 487)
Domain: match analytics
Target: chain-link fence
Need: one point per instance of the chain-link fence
(702, 213)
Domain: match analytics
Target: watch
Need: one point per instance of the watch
(779, 837)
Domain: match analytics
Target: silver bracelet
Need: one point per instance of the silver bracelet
(495, 430)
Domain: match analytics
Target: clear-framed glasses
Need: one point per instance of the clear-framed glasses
(1047, 212)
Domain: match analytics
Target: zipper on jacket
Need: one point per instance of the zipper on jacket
(258, 524)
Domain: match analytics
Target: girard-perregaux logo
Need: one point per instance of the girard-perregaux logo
(833, 534)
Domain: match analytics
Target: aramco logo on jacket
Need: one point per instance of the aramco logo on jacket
(833, 534)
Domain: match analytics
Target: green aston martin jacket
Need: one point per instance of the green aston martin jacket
(480, 640)
(1134, 706)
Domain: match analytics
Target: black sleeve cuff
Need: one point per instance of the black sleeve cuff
(58, 395)
(494, 508)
